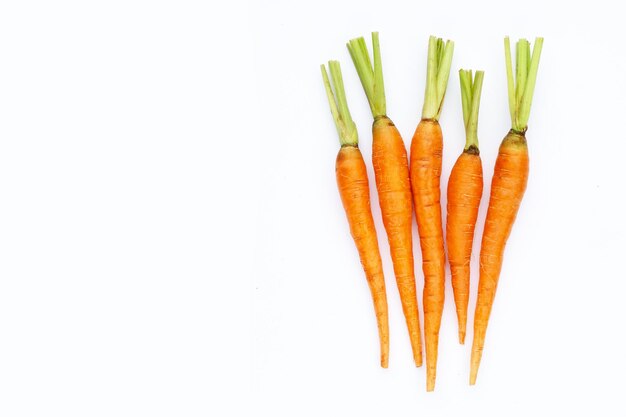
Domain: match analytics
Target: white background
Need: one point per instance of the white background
(172, 241)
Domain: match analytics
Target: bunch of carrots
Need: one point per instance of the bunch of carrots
(406, 182)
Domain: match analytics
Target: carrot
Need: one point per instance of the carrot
(355, 196)
(465, 188)
(426, 149)
(507, 188)
(391, 171)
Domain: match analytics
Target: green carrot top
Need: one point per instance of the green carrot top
(438, 71)
(522, 87)
(339, 106)
(471, 87)
(371, 76)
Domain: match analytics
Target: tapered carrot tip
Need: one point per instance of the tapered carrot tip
(384, 362)
(473, 375)
(418, 361)
(430, 384)
(474, 369)
(462, 337)
(431, 376)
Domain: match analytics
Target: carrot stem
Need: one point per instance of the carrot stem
(466, 93)
(371, 76)
(339, 106)
(509, 79)
(527, 98)
(521, 88)
(437, 74)
(471, 87)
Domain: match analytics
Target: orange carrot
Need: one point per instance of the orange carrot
(391, 170)
(426, 149)
(465, 188)
(507, 188)
(355, 196)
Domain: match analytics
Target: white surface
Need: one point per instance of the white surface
(556, 341)
(172, 241)
(117, 230)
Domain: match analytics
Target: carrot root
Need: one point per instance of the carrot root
(353, 187)
(465, 188)
(507, 189)
(425, 169)
(508, 185)
(392, 183)
(354, 190)
(394, 192)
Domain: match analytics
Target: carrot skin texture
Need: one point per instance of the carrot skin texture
(465, 189)
(354, 190)
(425, 170)
(507, 189)
(391, 171)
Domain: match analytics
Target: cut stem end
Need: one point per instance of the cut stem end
(522, 87)
(471, 88)
(371, 76)
(335, 92)
(437, 74)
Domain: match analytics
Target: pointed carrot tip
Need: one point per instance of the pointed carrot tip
(418, 363)
(430, 383)
(473, 375)
(384, 362)
(462, 337)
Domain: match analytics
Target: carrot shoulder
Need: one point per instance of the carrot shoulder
(425, 172)
(391, 172)
(507, 188)
(465, 188)
(353, 187)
